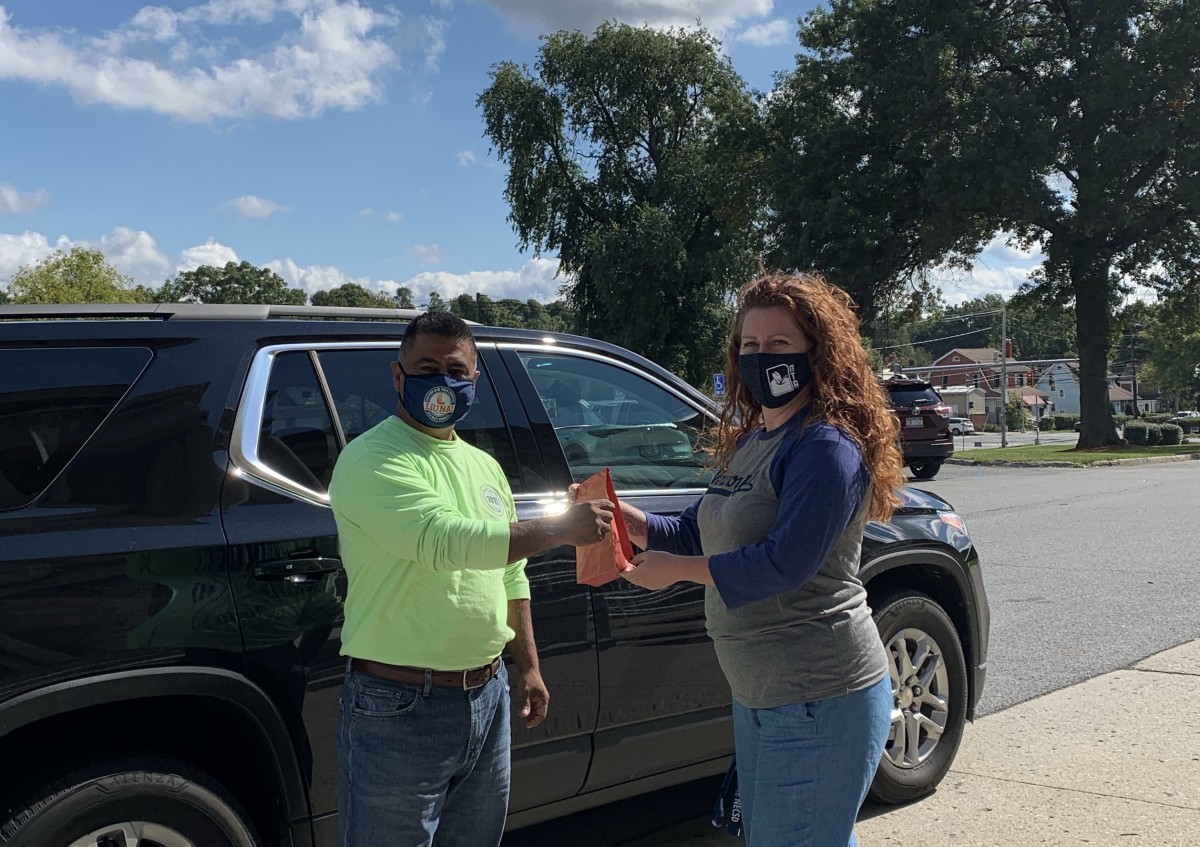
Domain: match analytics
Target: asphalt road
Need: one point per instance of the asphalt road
(1087, 570)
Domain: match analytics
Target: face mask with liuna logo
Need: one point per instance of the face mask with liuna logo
(436, 400)
(774, 379)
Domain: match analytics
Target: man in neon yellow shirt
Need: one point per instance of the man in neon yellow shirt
(435, 560)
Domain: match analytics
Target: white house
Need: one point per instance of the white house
(966, 401)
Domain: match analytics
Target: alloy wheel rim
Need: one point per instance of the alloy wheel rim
(920, 697)
(134, 834)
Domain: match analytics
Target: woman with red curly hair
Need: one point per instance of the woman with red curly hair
(807, 452)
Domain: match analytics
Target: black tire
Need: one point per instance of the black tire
(925, 468)
(171, 802)
(914, 611)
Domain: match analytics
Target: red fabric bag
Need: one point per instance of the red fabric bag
(604, 561)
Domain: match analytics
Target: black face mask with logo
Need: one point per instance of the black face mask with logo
(774, 379)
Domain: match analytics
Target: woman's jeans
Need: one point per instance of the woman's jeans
(421, 766)
(804, 768)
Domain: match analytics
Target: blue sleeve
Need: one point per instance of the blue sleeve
(821, 481)
(680, 535)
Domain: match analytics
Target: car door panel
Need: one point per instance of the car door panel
(664, 702)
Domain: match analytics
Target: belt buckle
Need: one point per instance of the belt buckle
(464, 681)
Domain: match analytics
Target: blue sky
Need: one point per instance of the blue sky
(331, 140)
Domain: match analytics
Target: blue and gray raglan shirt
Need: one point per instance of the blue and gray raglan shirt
(782, 528)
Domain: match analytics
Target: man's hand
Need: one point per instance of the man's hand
(533, 698)
(584, 523)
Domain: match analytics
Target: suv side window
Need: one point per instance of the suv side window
(297, 439)
(360, 383)
(607, 416)
(51, 401)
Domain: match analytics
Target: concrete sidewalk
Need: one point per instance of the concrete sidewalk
(1111, 761)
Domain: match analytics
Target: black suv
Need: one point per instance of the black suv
(170, 589)
(925, 435)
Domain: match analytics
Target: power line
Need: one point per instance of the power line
(931, 340)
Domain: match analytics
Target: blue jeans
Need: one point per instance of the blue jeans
(419, 766)
(804, 768)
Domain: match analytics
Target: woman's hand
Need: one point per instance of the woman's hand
(656, 570)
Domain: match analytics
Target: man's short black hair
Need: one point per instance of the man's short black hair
(445, 324)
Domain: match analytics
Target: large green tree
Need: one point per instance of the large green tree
(353, 294)
(919, 127)
(79, 275)
(404, 298)
(233, 283)
(629, 156)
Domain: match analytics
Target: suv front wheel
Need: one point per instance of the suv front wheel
(147, 802)
(929, 696)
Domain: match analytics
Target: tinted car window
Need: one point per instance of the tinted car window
(297, 438)
(360, 382)
(51, 401)
(911, 396)
(606, 416)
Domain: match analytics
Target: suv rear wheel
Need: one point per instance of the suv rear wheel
(925, 468)
(125, 802)
(929, 691)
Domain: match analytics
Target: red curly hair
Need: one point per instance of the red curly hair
(844, 391)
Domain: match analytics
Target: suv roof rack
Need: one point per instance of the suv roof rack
(199, 312)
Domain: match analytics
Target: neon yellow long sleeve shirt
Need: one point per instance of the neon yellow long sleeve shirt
(423, 530)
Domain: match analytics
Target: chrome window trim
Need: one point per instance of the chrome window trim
(243, 447)
(600, 357)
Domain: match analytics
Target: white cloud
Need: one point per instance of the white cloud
(367, 212)
(536, 280)
(28, 248)
(332, 55)
(428, 254)
(771, 34)
(253, 206)
(586, 15)
(135, 252)
(443, 4)
(466, 158)
(394, 217)
(314, 278)
(209, 253)
(14, 201)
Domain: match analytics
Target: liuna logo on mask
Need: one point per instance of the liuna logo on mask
(439, 404)
(781, 380)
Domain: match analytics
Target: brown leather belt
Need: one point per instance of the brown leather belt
(466, 680)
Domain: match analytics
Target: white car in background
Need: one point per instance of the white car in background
(961, 426)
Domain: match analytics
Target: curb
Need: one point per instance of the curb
(1100, 463)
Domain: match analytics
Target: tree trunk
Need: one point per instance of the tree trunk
(1090, 279)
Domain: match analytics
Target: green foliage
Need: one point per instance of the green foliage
(4, 298)
(1171, 433)
(436, 303)
(1158, 418)
(1153, 434)
(630, 156)
(913, 130)
(528, 314)
(1016, 413)
(1137, 432)
(234, 283)
(404, 298)
(1064, 420)
(77, 276)
(352, 294)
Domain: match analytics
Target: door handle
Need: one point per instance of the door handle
(303, 571)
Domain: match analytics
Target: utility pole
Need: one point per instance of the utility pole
(1137, 411)
(1003, 374)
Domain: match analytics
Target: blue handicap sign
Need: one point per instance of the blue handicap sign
(719, 384)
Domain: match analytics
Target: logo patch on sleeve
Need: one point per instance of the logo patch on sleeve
(492, 499)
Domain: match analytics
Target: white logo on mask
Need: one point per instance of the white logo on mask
(781, 380)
